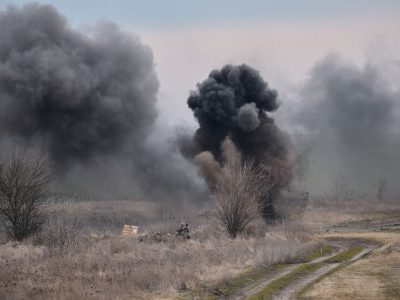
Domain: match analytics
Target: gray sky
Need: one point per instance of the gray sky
(177, 13)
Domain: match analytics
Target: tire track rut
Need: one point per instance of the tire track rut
(290, 291)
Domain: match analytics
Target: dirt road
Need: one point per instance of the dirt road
(255, 287)
(288, 282)
(291, 291)
(294, 280)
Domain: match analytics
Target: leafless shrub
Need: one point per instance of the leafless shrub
(240, 191)
(340, 188)
(59, 236)
(23, 192)
(381, 188)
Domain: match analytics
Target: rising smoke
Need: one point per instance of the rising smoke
(80, 96)
(88, 101)
(233, 103)
(350, 112)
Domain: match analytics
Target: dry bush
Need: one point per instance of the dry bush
(340, 190)
(240, 191)
(23, 193)
(381, 189)
(59, 236)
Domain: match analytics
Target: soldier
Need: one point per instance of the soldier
(183, 230)
(180, 229)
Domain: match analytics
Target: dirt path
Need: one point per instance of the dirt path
(259, 284)
(324, 266)
(256, 286)
(290, 291)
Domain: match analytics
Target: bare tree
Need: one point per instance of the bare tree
(23, 192)
(340, 188)
(240, 191)
(381, 188)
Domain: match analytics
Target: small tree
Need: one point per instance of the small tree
(381, 188)
(340, 188)
(23, 193)
(239, 191)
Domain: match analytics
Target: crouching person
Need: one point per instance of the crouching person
(183, 231)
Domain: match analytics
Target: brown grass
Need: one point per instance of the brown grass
(324, 212)
(81, 253)
(69, 261)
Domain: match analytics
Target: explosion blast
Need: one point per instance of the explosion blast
(233, 103)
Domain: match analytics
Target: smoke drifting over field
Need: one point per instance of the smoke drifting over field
(354, 104)
(81, 96)
(233, 103)
(351, 113)
(87, 100)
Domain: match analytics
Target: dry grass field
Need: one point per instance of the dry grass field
(81, 253)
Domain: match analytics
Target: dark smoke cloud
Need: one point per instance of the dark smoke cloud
(88, 101)
(355, 104)
(233, 102)
(350, 111)
(222, 97)
(248, 117)
(82, 96)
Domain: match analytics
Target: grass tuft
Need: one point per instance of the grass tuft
(321, 251)
(345, 255)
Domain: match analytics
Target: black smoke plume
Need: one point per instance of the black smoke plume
(87, 100)
(233, 103)
(80, 95)
(350, 112)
